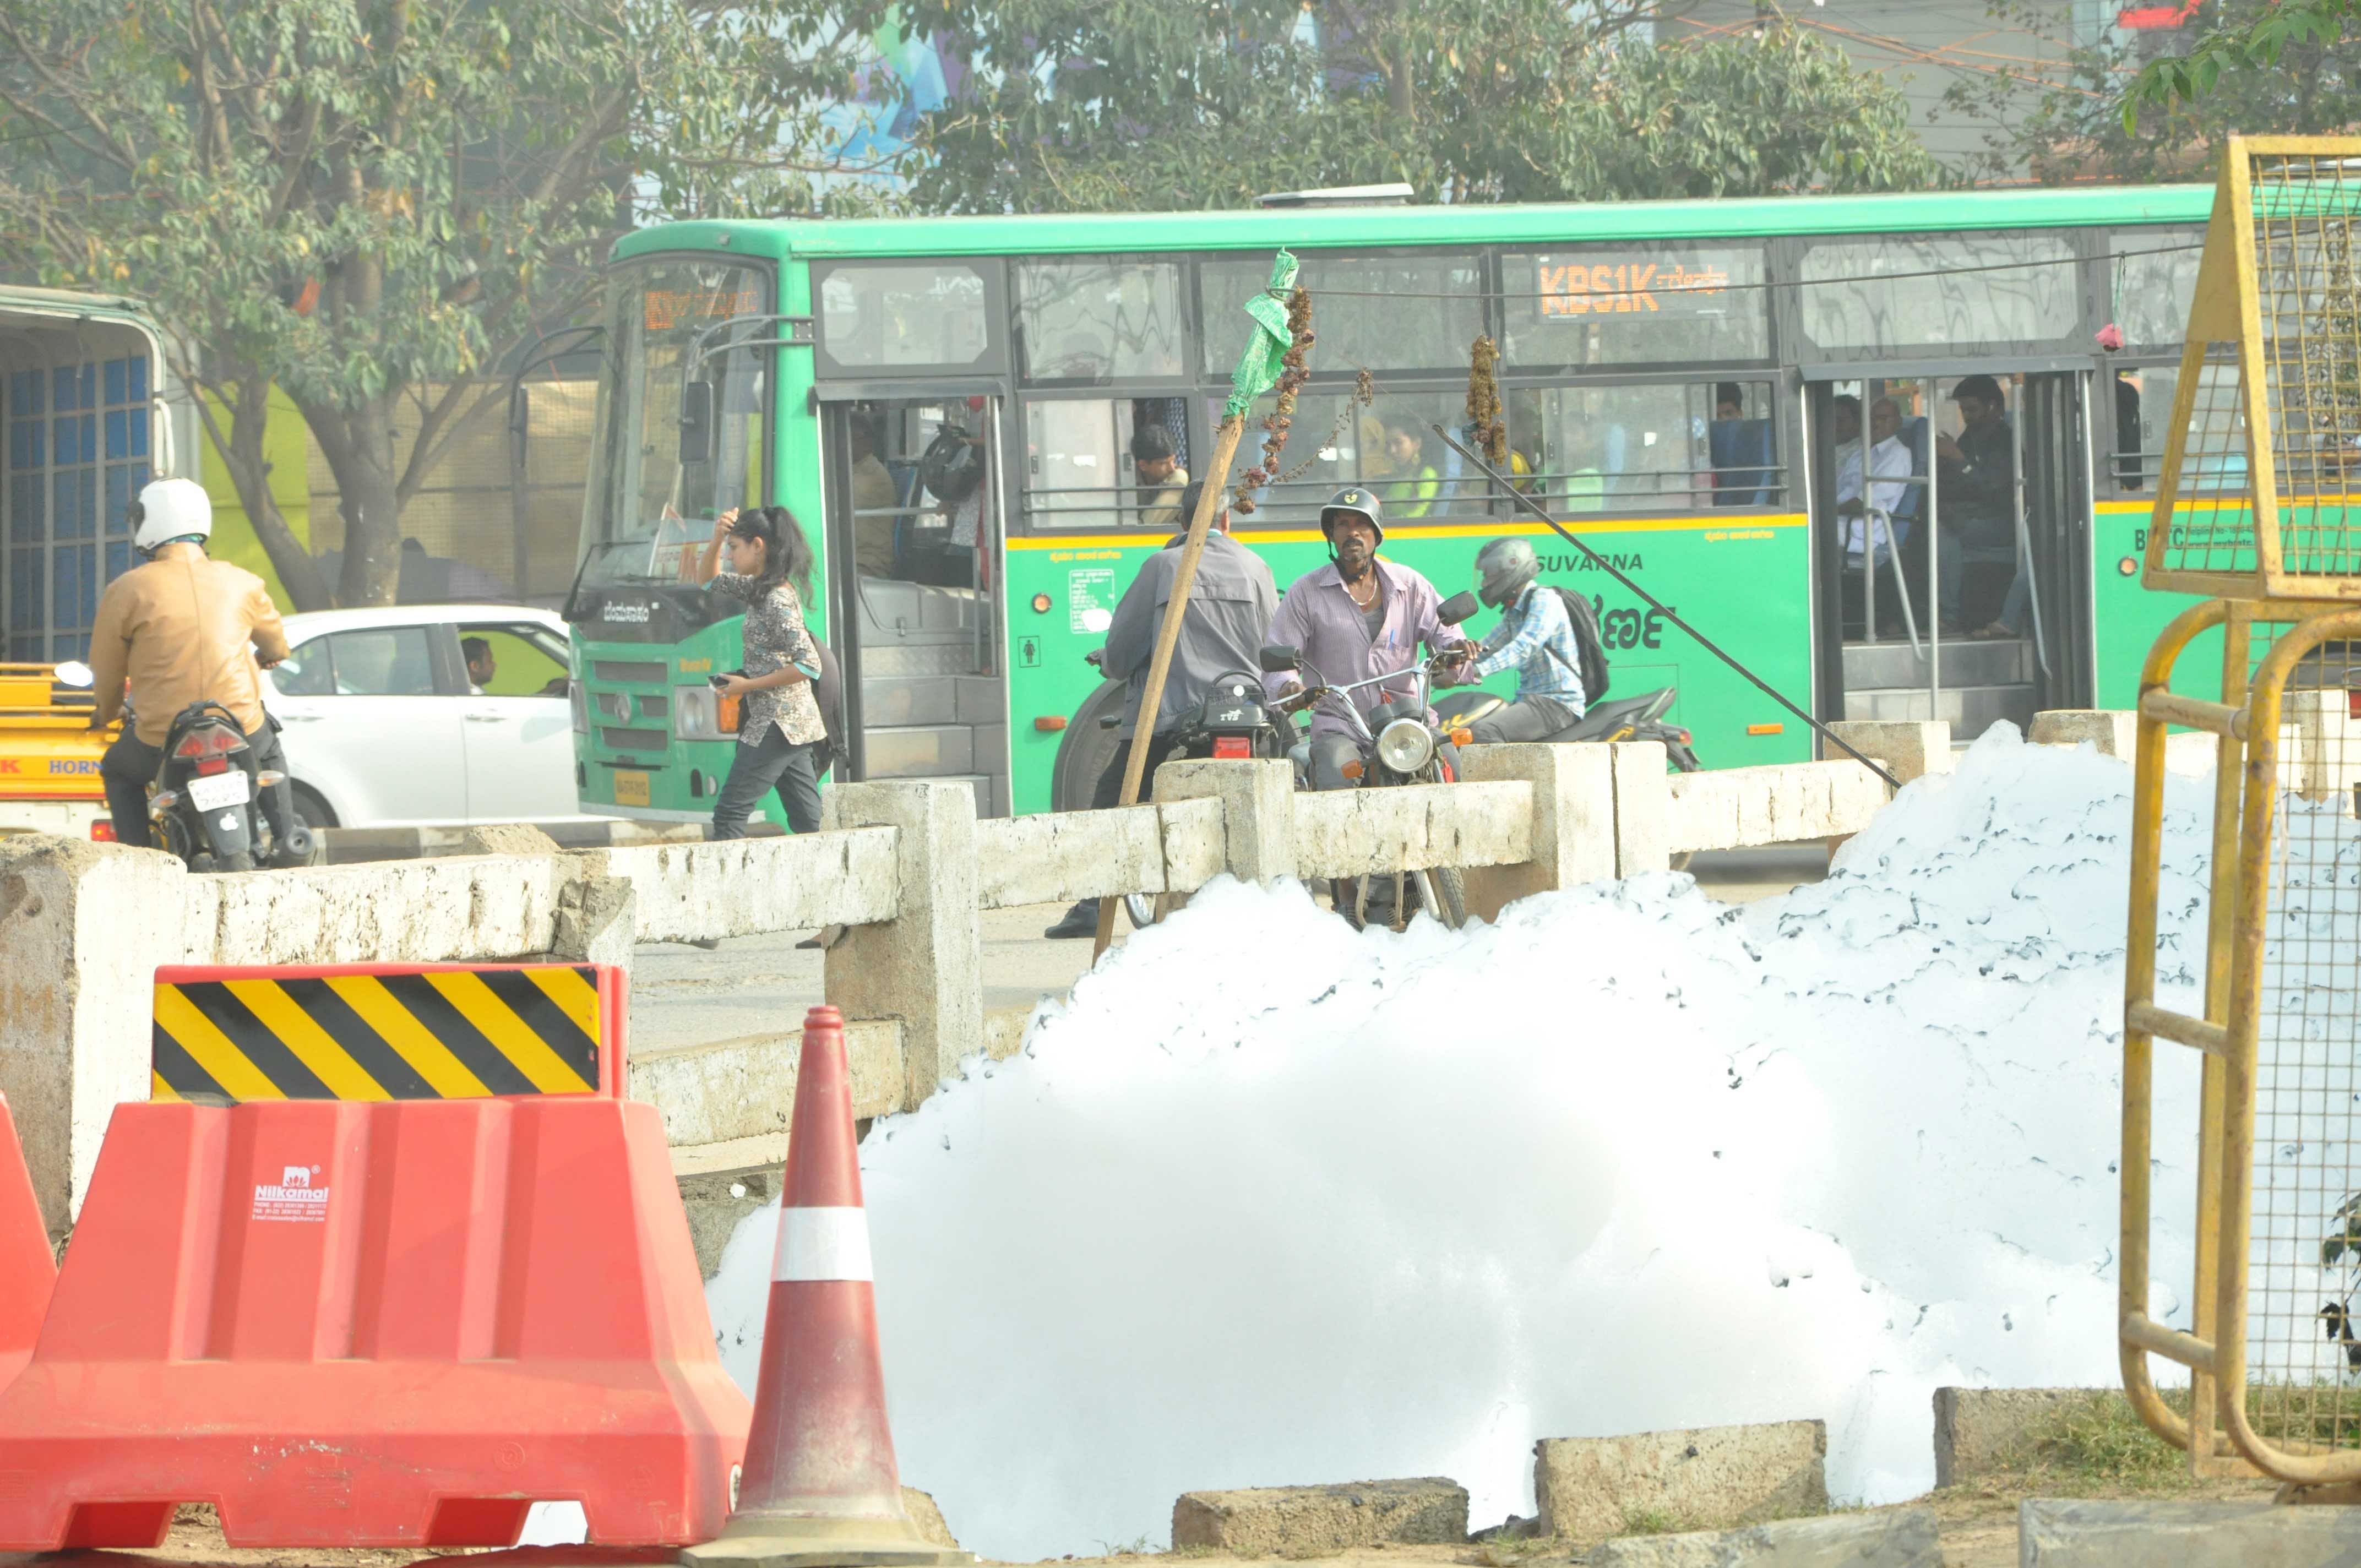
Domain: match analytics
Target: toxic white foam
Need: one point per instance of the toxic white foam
(1270, 1203)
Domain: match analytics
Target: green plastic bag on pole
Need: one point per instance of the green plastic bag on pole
(1259, 366)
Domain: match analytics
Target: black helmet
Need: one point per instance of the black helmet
(1355, 499)
(1503, 567)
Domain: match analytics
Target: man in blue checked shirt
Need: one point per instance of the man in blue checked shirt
(1535, 638)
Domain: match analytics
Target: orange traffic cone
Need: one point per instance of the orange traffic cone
(27, 1269)
(819, 1485)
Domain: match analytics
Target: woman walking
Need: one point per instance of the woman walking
(779, 728)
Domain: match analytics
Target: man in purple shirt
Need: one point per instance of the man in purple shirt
(1355, 618)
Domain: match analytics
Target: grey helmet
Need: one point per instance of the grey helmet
(1503, 567)
(1351, 499)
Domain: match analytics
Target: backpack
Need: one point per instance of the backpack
(829, 693)
(1587, 647)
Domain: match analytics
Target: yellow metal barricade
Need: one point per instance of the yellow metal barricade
(2256, 506)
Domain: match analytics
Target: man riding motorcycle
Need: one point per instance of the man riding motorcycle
(1356, 617)
(1230, 603)
(182, 628)
(1535, 638)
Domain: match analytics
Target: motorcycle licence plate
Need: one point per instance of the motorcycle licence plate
(211, 792)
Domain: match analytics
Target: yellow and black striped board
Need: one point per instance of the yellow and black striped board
(379, 1032)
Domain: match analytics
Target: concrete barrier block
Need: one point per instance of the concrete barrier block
(1979, 1431)
(925, 965)
(82, 927)
(455, 909)
(1642, 807)
(1706, 1477)
(1896, 1538)
(1909, 748)
(2052, 1534)
(1054, 856)
(2113, 731)
(739, 886)
(1196, 842)
(1258, 796)
(1573, 821)
(726, 1091)
(1316, 1521)
(1365, 832)
(1782, 804)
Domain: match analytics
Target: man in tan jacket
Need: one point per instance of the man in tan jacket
(182, 629)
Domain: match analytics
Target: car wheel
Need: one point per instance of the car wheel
(312, 811)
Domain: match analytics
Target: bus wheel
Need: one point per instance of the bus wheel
(1085, 750)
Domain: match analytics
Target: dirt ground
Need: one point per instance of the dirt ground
(1978, 1525)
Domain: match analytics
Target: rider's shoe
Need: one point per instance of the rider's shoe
(1082, 920)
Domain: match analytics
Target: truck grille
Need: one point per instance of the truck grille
(616, 739)
(631, 672)
(654, 707)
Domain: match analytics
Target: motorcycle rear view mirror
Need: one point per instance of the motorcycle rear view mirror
(75, 674)
(1277, 658)
(696, 424)
(1457, 608)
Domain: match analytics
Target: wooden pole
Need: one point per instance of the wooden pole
(1167, 635)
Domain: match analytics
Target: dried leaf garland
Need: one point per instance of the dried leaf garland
(1483, 420)
(1294, 372)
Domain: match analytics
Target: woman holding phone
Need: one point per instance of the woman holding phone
(779, 727)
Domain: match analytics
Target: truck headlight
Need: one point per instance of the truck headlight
(580, 701)
(1405, 745)
(697, 714)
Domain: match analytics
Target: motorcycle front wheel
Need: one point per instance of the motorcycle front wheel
(1145, 909)
(1443, 893)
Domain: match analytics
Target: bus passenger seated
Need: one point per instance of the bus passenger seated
(1889, 460)
(1161, 477)
(874, 503)
(1413, 494)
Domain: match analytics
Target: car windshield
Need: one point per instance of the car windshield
(646, 512)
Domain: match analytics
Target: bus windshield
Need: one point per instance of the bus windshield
(668, 325)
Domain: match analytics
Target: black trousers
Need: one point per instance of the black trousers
(773, 763)
(1109, 792)
(1527, 718)
(130, 764)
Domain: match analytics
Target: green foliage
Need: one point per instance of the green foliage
(2095, 1442)
(1153, 106)
(369, 203)
(2120, 109)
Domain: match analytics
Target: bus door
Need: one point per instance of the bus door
(916, 508)
(1951, 518)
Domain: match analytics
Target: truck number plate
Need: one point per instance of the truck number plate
(211, 792)
(631, 789)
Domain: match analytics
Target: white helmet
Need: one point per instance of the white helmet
(168, 509)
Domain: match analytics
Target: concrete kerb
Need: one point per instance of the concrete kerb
(1897, 1538)
(1704, 1477)
(1909, 749)
(2052, 1534)
(1320, 1521)
(1571, 829)
(1982, 1431)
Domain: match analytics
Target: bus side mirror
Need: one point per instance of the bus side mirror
(696, 423)
(1456, 608)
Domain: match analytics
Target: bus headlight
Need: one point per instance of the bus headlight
(1405, 745)
(579, 700)
(697, 714)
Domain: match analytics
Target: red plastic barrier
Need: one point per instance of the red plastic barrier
(374, 1324)
(27, 1270)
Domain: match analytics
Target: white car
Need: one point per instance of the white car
(386, 724)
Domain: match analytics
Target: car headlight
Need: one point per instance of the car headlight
(1405, 745)
(578, 700)
(697, 714)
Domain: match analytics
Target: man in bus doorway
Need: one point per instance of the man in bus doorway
(1356, 617)
(1230, 603)
(1975, 491)
(1161, 476)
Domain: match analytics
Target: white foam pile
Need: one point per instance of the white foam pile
(1271, 1202)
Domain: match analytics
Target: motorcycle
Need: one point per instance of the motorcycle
(1638, 718)
(1401, 742)
(1233, 721)
(202, 805)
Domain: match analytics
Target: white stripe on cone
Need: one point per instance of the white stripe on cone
(822, 1243)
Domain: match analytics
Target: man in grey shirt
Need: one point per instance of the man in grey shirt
(1230, 604)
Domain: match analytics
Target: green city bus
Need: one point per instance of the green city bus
(950, 407)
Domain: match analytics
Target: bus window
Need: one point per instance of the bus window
(903, 317)
(1386, 445)
(1104, 462)
(1405, 312)
(1641, 303)
(1101, 320)
(2153, 275)
(1960, 290)
(2216, 458)
(1677, 444)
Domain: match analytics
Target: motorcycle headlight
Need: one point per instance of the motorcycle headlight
(1405, 745)
(696, 713)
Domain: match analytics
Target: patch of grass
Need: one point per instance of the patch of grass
(2096, 1444)
(1646, 1520)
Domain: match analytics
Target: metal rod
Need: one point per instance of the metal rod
(1933, 563)
(1868, 525)
(1529, 504)
(2024, 528)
